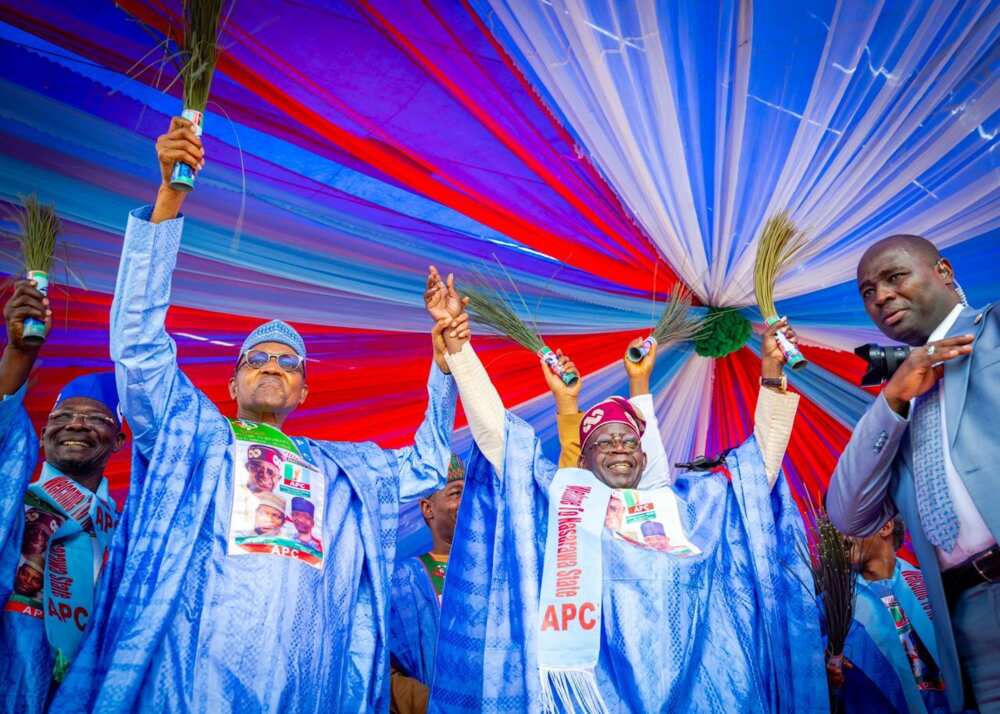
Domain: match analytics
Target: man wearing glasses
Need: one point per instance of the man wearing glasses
(197, 618)
(54, 533)
(550, 609)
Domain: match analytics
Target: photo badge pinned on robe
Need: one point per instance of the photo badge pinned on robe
(277, 496)
(650, 519)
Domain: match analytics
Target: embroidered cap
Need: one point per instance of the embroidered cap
(256, 452)
(275, 331)
(303, 505)
(456, 469)
(99, 386)
(652, 528)
(35, 562)
(613, 410)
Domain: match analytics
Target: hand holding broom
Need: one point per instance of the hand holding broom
(39, 229)
(181, 145)
(19, 355)
(673, 326)
(779, 242)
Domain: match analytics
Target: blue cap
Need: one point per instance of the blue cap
(652, 528)
(275, 331)
(303, 505)
(99, 386)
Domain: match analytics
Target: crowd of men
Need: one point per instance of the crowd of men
(252, 570)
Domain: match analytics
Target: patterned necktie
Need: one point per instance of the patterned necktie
(937, 515)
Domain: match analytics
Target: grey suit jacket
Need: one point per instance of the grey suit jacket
(874, 478)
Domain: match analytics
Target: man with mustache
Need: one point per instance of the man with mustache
(927, 448)
(195, 615)
(56, 532)
(549, 610)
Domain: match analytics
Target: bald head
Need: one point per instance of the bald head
(916, 246)
(907, 287)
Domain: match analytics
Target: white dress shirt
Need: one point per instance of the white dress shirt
(973, 534)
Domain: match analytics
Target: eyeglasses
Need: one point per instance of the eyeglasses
(257, 359)
(606, 445)
(92, 419)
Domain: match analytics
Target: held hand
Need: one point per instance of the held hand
(457, 334)
(26, 302)
(567, 397)
(921, 369)
(772, 360)
(835, 673)
(180, 143)
(436, 295)
(639, 372)
(455, 302)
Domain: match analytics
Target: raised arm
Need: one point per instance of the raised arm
(18, 443)
(657, 471)
(568, 415)
(776, 407)
(145, 356)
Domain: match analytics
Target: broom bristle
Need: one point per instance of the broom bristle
(675, 324)
(493, 310)
(835, 580)
(779, 241)
(40, 227)
(201, 40)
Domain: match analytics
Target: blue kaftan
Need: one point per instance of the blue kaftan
(413, 621)
(26, 672)
(733, 630)
(182, 626)
(881, 679)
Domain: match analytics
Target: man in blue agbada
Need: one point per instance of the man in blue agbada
(225, 591)
(55, 532)
(890, 656)
(559, 599)
(417, 590)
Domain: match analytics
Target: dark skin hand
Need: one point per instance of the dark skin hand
(567, 396)
(835, 674)
(180, 143)
(18, 355)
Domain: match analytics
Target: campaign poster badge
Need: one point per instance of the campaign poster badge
(277, 497)
(650, 519)
(29, 576)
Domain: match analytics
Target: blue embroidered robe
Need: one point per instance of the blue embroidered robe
(881, 680)
(733, 630)
(26, 672)
(181, 626)
(413, 620)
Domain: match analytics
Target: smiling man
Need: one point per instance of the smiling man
(55, 532)
(201, 610)
(927, 448)
(577, 589)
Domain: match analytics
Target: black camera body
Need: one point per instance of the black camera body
(882, 361)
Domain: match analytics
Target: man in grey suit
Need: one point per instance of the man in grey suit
(928, 448)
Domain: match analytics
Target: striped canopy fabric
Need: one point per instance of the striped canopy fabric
(598, 150)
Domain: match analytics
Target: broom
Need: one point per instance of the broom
(201, 39)
(492, 309)
(673, 326)
(835, 581)
(39, 226)
(779, 242)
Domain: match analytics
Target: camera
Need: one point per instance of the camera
(882, 361)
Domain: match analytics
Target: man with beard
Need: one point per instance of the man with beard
(890, 653)
(927, 448)
(190, 619)
(547, 610)
(417, 588)
(54, 533)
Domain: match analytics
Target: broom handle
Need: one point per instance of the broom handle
(792, 354)
(639, 352)
(568, 377)
(182, 177)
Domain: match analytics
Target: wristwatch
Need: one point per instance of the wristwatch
(781, 383)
